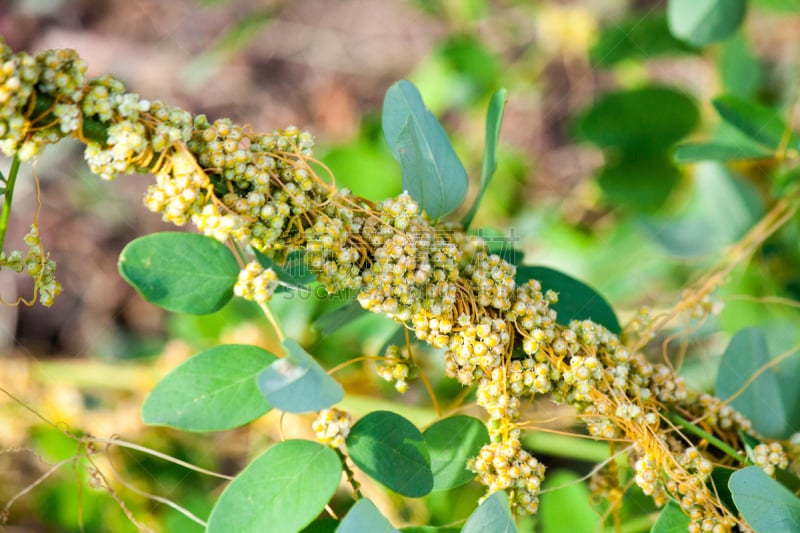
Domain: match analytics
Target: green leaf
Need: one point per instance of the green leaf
(638, 37)
(293, 272)
(432, 173)
(430, 529)
(626, 120)
(282, 490)
(391, 450)
(494, 119)
(718, 484)
(739, 68)
(671, 519)
(297, 384)
(335, 319)
(492, 515)
(364, 516)
(700, 22)
(765, 504)
(576, 300)
(214, 390)
(565, 505)
(451, 442)
(181, 272)
(767, 401)
(718, 151)
(640, 181)
(760, 123)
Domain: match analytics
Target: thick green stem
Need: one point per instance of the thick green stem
(8, 197)
(691, 428)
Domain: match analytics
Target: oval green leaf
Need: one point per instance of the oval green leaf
(214, 390)
(364, 516)
(391, 450)
(432, 173)
(297, 384)
(335, 319)
(625, 119)
(671, 520)
(181, 272)
(451, 442)
(494, 515)
(759, 123)
(763, 400)
(700, 22)
(282, 490)
(765, 504)
(576, 300)
(494, 119)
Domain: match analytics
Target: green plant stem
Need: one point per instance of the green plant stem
(350, 475)
(8, 197)
(691, 428)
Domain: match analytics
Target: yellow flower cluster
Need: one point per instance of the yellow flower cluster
(332, 427)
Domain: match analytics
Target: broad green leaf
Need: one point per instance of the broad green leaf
(214, 390)
(576, 300)
(293, 271)
(391, 450)
(364, 516)
(451, 442)
(335, 319)
(181, 272)
(325, 525)
(492, 515)
(639, 37)
(639, 181)
(494, 119)
(771, 409)
(628, 121)
(432, 173)
(671, 520)
(739, 68)
(282, 490)
(765, 504)
(700, 22)
(565, 505)
(721, 210)
(718, 151)
(760, 123)
(297, 384)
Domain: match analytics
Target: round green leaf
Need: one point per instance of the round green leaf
(282, 490)
(641, 182)
(432, 173)
(451, 442)
(181, 272)
(700, 22)
(492, 515)
(297, 384)
(364, 516)
(671, 520)
(765, 504)
(214, 390)
(390, 449)
(626, 120)
(576, 300)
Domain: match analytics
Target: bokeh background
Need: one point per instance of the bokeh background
(88, 362)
